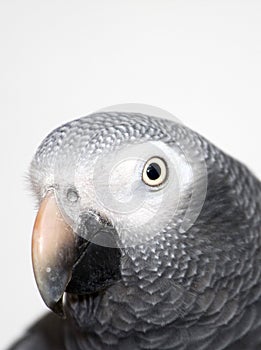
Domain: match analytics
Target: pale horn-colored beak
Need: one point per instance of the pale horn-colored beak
(53, 253)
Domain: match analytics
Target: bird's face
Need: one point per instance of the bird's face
(116, 194)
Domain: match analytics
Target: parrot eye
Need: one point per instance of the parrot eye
(154, 172)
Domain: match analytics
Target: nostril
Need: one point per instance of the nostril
(72, 195)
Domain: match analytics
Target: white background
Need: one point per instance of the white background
(60, 59)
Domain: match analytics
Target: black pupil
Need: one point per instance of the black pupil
(153, 171)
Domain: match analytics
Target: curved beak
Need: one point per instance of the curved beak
(66, 262)
(53, 253)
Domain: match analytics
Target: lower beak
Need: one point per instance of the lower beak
(53, 253)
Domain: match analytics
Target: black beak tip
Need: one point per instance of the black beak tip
(58, 309)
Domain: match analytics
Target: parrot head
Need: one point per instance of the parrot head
(139, 226)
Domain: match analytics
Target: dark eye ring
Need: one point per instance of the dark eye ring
(154, 172)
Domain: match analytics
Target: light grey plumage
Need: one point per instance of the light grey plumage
(194, 289)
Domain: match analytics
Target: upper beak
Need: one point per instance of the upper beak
(53, 253)
(64, 261)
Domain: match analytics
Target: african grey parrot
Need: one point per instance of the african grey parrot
(147, 237)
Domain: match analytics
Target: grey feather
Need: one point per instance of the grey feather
(203, 291)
